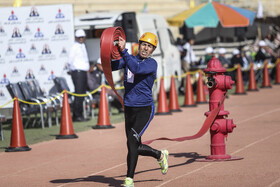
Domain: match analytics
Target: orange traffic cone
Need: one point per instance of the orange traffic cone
(266, 79)
(18, 142)
(173, 99)
(66, 126)
(162, 100)
(277, 73)
(239, 82)
(189, 101)
(252, 80)
(103, 114)
(200, 94)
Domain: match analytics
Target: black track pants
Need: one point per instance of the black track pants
(137, 120)
(80, 82)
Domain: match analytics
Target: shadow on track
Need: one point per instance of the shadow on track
(96, 178)
(192, 155)
(111, 181)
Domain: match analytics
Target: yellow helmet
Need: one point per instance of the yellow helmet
(149, 38)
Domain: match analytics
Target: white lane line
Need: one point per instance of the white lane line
(189, 173)
(29, 168)
(94, 174)
(260, 115)
(254, 143)
(274, 183)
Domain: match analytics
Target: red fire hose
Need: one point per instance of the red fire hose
(109, 51)
(206, 125)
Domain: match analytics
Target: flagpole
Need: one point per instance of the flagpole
(17, 3)
(260, 16)
(192, 4)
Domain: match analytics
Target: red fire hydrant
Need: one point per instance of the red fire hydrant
(218, 83)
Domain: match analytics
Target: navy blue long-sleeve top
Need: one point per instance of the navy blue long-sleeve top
(139, 77)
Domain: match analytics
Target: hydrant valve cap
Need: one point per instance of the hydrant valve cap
(214, 65)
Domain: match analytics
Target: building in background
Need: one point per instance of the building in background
(165, 8)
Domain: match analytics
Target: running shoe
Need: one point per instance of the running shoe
(128, 182)
(163, 163)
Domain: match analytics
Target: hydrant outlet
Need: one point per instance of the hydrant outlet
(215, 127)
(229, 82)
(210, 84)
(230, 125)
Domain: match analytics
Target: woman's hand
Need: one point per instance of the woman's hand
(121, 43)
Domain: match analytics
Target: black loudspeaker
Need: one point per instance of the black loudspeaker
(129, 26)
(187, 32)
(240, 33)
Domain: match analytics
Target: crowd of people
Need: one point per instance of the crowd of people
(267, 49)
(258, 52)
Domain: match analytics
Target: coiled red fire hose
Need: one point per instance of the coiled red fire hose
(109, 51)
(206, 125)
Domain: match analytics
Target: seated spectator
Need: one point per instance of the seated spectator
(247, 59)
(236, 58)
(96, 78)
(224, 61)
(209, 53)
(246, 64)
(262, 53)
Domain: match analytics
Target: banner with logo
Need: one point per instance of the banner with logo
(35, 42)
